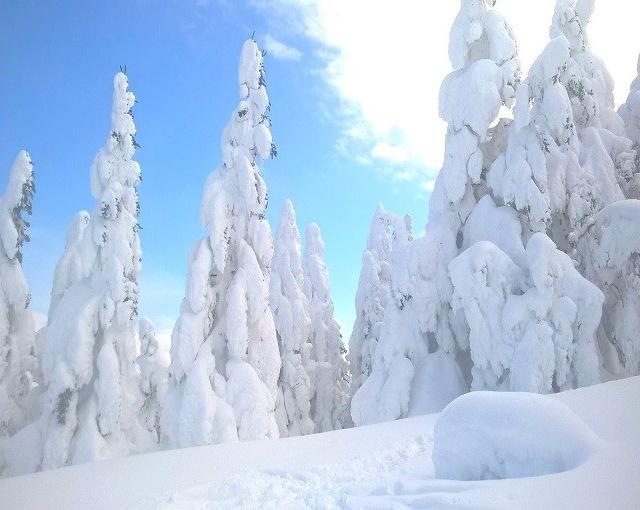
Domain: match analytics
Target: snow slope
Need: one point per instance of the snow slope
(380, 466)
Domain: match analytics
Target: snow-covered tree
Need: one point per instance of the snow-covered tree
(225, 362)
(91, 400)
(415, 369)
(630, 114)
(567, 161)
(374, 291)
(293, 327)
(329, 406)
(153, 378)
(532, 325)
(72, 266)
(18, 363)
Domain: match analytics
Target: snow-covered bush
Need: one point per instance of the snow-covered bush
(293, 327)
(374, 290)
(496, 435)
(90, 404)
(330, 373)
(18, 364)
(223, 379)
(153, 378)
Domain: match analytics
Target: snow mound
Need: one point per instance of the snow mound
(495, 435)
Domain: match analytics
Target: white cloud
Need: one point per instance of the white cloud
(280, 50)
(385, 62)
(392, 153)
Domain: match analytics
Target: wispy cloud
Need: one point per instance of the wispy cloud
(280, 50)
(385, 61)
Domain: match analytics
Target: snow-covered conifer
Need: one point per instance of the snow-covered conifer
(415, 368)
(567, 161)
(293, 327)
(18, 363)
(374, 291)
(71, 267)
(91, 400)
(613, 263)
(153, 378)
(225, 363)
(630, 114)
(329, 408)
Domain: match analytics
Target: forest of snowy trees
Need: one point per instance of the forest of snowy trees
(526, 277)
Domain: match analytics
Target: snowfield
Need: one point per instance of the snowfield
(388, 465)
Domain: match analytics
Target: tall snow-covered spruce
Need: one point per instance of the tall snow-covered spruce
(416, 365)
(374, 290)
(17, 337)
(567, 167)
(91, 400)
(225, 362)
(329, 406)
(293, 327)
(494, 296)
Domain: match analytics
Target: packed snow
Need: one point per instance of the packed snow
(593, 430)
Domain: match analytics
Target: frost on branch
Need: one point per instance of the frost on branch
(18, 364)
(293, 327)
(225, 362)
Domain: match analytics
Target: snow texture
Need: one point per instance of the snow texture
(225, 363)
(382, 466)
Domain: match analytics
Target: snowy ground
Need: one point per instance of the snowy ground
(380, 466)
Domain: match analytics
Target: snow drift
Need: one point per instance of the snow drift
(494, 435)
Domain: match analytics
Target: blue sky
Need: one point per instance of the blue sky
(354, 95)
(57, 63)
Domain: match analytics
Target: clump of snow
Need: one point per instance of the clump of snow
(497, 435)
